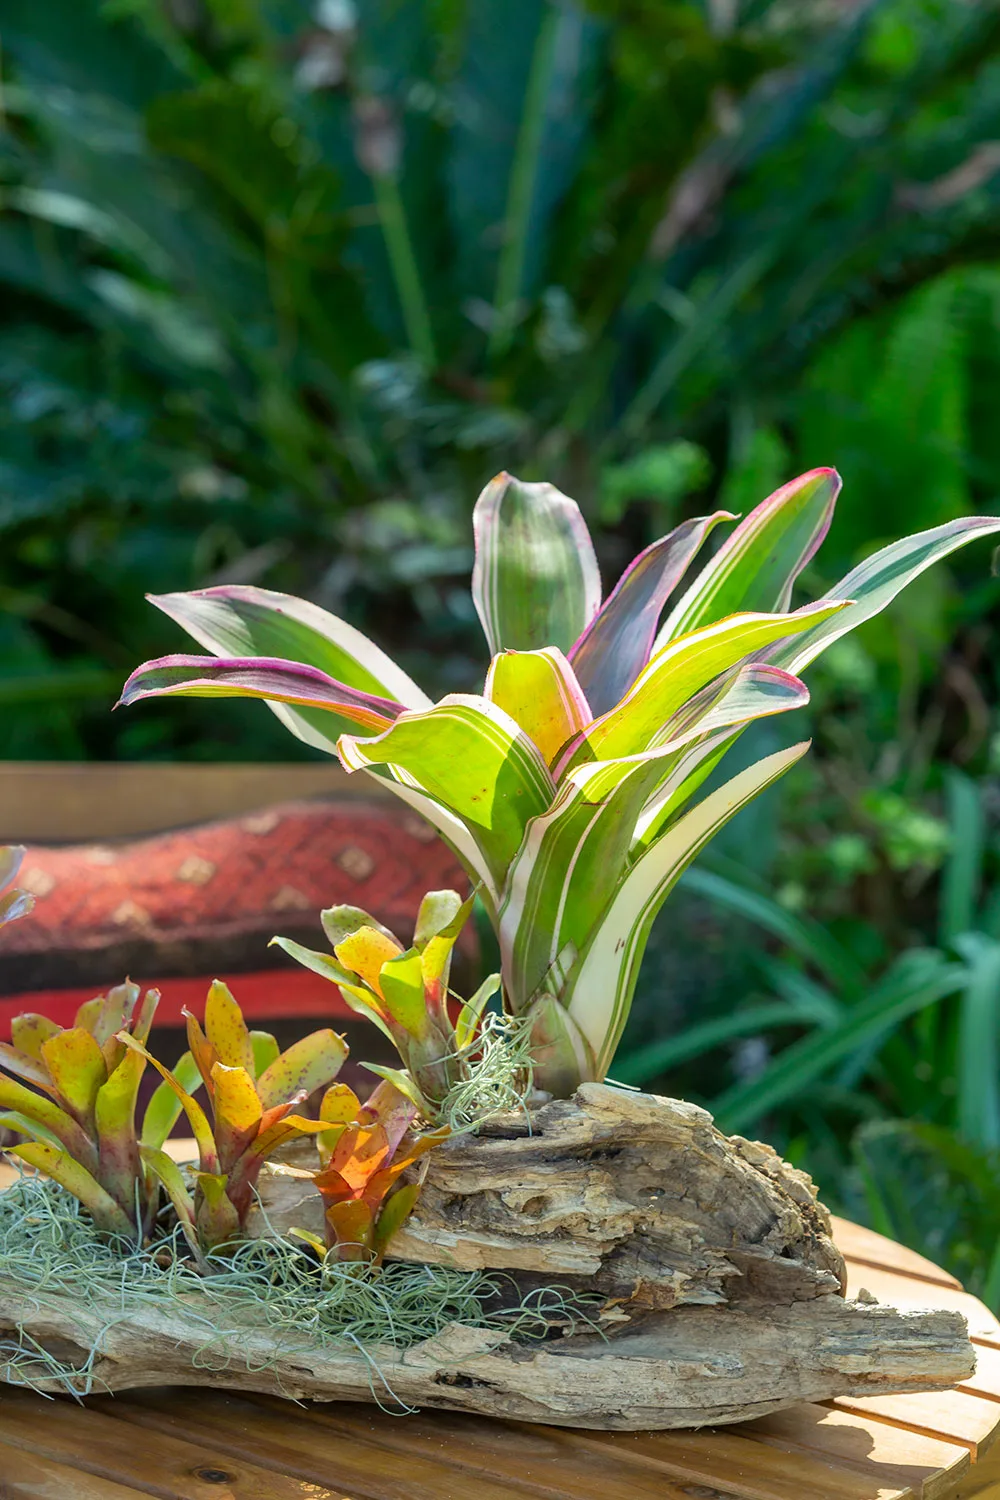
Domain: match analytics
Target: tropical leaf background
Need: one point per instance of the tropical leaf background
(281, 287)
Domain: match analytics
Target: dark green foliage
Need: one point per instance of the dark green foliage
(278, 293)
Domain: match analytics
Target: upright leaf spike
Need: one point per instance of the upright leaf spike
(406, 993)
(515, 779)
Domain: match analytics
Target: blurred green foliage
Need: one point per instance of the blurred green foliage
(281, 288)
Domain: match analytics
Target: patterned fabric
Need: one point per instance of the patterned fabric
(181, 907)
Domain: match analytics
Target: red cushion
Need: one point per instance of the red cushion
(181, 907)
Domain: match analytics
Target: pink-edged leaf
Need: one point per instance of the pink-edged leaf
(756, 567)
(271, 678)
(239, 620)
(11, 859)
(535, 582)
(236, 619)
(13, 904)
(679, 671)
(616, 645)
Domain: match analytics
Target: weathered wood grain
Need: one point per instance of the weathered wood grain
(722, 1288)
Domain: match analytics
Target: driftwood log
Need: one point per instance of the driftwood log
(721, 1291)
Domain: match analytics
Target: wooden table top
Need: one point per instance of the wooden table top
(207, 1445)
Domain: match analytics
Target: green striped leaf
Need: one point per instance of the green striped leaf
(561, 1054)
(605, 813)
(677, 673)
(603, 978)
(471, 758)
(706, 727)
(736, 696)
(535, 582)
(568, 866)
(756, 567)
(875, 583)
(540, 691)
(240, 620)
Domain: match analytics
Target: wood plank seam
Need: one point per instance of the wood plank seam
(929, 1465)
(788, 1479)
(874, 1265)
(901, 1424)
(291, 1456)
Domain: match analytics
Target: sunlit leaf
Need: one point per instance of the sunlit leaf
(757, 565)
(308, 1064)
(540, 692)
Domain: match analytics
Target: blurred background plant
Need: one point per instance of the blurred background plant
(281, 288)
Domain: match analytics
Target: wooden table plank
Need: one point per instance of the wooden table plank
(722, 1456)
(986, 1381)
(927, 1465)
(172, 1468)
(68, 802)
(866, 1248)
(289, 1442)
(953, 1416)
(28, 1476)
(478, 1448)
